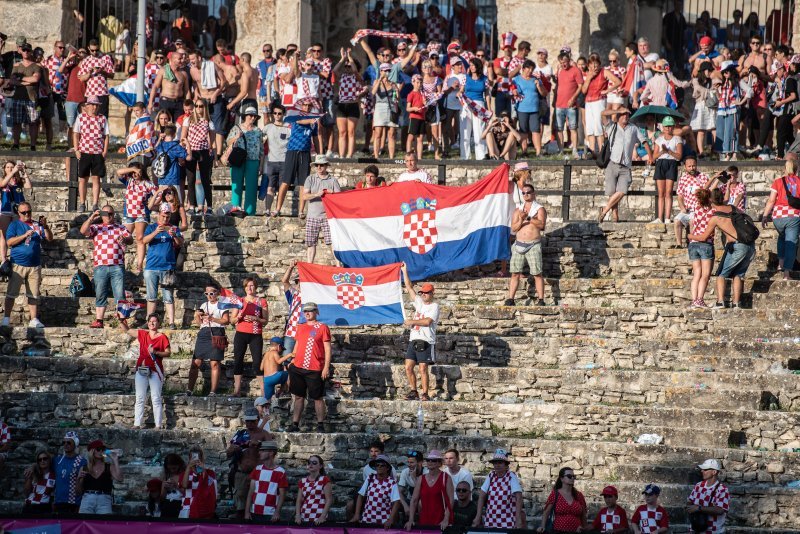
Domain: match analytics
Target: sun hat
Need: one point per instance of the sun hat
(97, 444)
(268, 445)
(250, 414)
(381, 458)
(310, 306)
(508, 40)
(500, 455)
(668, 121)
(261, 401)
(250, 110)
(662, 65)
(434, 455)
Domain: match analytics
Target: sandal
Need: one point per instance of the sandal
(424, 397)
(412, 395)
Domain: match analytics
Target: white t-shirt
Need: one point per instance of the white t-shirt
(418, 175)
(672, 145)
(408, 481)
(516, 487)
(211, 310)
(546, 71)
(307, 86)
(463, 475)
(423, 311)
(652, 57)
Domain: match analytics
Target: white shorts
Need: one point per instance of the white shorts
(594, 119)
(684, 218)
(702, 117)
(615, 99)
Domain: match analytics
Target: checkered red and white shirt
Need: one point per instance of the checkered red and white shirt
(782, 208)
(379, 496)
(107, 248)
(58, 82)
(5, 433)
(349, 87)
(150, 73)
(198, 134)
(137, 193)
(619, 72)
(607, 520)
(268, 482)
(501, 511)
(93, 130)
(194, 483)
(650, 520)
(688, 186)
(295, 303)
(42, 490)
(503, 82)
(713, 495)
(311, 339)
(96, 85)
(313, 497)
(738, 191)
(700, 219)
(325, 86)
(436, 28)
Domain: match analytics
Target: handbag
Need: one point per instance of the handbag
(238, 155)
(169, 280)
(551, 517)
(604, 157)
(699, 520)
(219, 342)
(793, 201)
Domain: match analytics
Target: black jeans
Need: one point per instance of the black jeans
(201, 161)
(241, 341)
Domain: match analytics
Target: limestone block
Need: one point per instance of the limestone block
(550, 24)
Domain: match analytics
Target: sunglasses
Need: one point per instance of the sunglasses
(279, 113)
(462, 490)
(93, 50)
(569, 476)
(425, 292)
(59, 47)
(24, 212)
(43, 459)
(313, 462)
(210, 293)
(755, 42)
(479, 56)
(199, 105)
(267, 50)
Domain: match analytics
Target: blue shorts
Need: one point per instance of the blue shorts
(569, 115)
(139, 219)
(701, 251)
(736, 260)
(529, 122)
(274, 380)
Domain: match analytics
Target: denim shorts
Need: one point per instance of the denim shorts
(569, 115)
(736, 260)
(152, 279)
(72, 109)
(701, 251)
(131, 220)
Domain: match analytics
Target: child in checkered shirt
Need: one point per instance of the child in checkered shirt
(650, 518)
(611, 518)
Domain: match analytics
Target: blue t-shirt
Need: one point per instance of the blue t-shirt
(12, 195)
(66, 470)
(263, 75)
(530, 96)
(175, 152)
(474, 89)
(29, 252)
(160, 252)
(300, 137)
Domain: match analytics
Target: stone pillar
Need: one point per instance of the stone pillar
(272, 21)
(549, 24)
(42, 22)
(651, 16)
(796, 27)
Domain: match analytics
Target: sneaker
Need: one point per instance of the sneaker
(294, 427)
(212, 394)
(82, 207)
(189, 393)
(35, 323)
(539, 302)
(321, 428)
(95, 207)
(666, 221)
(98, 323)
(412, 395)
(5, 322)
(699, 303)
(655, 221)
(508, 302)
(736, 306)
(718, 306)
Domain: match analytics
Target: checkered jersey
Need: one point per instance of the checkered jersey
(193, 482)
(107, 249)
(325, 86)
(96, 85)
(198, 135)
(289, 95)
(378, 500)
(93, 130)
(5, 433)
(714, 495)
(150, 73)
(42, 490)
(436, 28)
(313, 497)
(295, 304)
(607, 520)
(782, 208)
(688, 186)
(311, 340)
(137, 194)
(619, 72)
(700, 219)
(738, 190)
(650, 521)
(58, 82)
(349, 87)
(268, 482)
(368, 104)
(500, 505)
(503, 82)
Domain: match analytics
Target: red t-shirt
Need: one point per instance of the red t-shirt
(598, 84)
(160, 343)
(568, 82)
(76, 89)
(650, 521)
(309, 346)
(416, 100)
(257, 308)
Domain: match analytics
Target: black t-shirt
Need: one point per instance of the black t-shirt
(791, 86)
(27, 92)
(464, 516)
(7, 61)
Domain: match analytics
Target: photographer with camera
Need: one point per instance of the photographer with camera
(14, 181)
(423, 336)
(732, 187)
(25, 236)
(109, 239)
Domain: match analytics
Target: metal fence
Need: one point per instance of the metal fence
(771, 19)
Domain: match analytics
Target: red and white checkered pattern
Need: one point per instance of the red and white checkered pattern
(503, 83)
(193, 484)
(5, 433)
(650, 521)
(150, 73)
(97, 85)
(265, 496)
(308, 350)
(294, 314)
(619, 72)
(612, 519)
(107, 249)
(738, 190)
(783, 210)
(137, 193)
(93, 133)
(350, 296)
(313, 498)
(419, 231)
(325, 87)
(378, 501)
(368, 104)
(508, 39)
(349, 87)
(42, 490)
(289, 95)
(701, 495)
(500, 504)
(58, 82)
(700, 219)
(198, 135)
(688, 186)
(436, 28)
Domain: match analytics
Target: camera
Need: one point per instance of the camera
(724, 177)
(3, 37)
(104, 214)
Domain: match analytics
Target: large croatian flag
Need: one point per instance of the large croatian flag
(350, 297)
(126, 92)
(432, 228)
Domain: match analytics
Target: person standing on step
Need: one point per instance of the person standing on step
(268, 483)
(413, 173)
(292, 293)
(785, 217)
(67, 500)
(701, 252)
(710, 499)
(611, 518)
(317, 185)
(94, 71)
(25, 79)
(153, 348)
(500, 497)
(162, 240)
(244, 179)
(376, 448)
(314, 494)
(96, 480)
(528, 223)
(90, 140)
(211, 339)
(24, 237)
(650, 518)
(171, 85)
(298, 154)
(277, 134)
(243, 452)
(459, 473)
(567, 505)
(249, 322)
(310, 367)
(422, 339)
(690, 182)
(379, 497)
(109, 239)
(668, 154)
(433, 495)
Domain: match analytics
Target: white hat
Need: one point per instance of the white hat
(73, 436)
(710, 464)
(320, 159)
(261, 401)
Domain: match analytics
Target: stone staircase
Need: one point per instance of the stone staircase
(616, 355)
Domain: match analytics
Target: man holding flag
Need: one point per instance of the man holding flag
(423, 335)
(311, 366)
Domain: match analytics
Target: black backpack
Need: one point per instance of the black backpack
(793, 201)
(81, 285)
(746, 231)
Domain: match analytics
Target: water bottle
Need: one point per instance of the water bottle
(420, 418)
(109, 452)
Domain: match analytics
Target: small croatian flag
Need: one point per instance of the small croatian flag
(228, 300)
(126, 308)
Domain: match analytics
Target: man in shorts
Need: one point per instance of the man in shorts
(25, 78)
(90, 140)
(528, 224)
(317, 185)
(298, 154)
(243, 451)
(277, 135)
(311, 366)
(423, 336)
(570, 81)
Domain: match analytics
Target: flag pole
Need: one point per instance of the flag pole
(142, 50)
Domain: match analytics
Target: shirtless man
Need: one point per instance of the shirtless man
(272, 367)
(756, 58)
(248, 85)
(230, 75)
(244, 445)
(212, 95)
(528, 223)
(174, 85)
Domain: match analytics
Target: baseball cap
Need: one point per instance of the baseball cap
(97, 444)
(455, 60)
(165, 207)
(427, 287)
(93, 100)
(385, 66)
(268, 446)
(706, 41)
(609, 490)
(310, 306)
(21, 41)
(542, 51)
(261, 401)
(278, 340)
(668, 121)
(521, 166)
(652, 489)
(250, 414)
(710, 464)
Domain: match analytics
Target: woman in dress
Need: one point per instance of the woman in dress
(567, 504)
(433, 494)
(386, 105)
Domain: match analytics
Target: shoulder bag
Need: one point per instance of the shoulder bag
(699, 520)
(238, 155)
(604, 157)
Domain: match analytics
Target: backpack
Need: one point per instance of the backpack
(793, 201)
(161, 165)
(746, 231)
(81, 285)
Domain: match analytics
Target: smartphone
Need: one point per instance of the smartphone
(195, 456)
